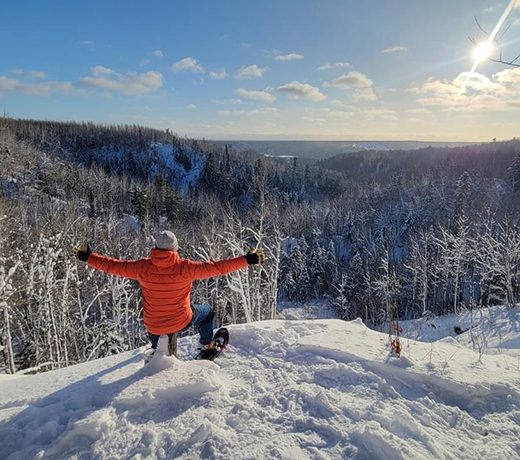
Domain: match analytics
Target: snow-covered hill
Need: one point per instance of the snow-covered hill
(284, 389)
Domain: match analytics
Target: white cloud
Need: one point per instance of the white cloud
(366, 94)
(218, 75)
(383, 114)
(336, 65)
(12, 85)
(239, 113)
(251, 71)
(144, 62)
(314, 120)
(395, 49)
(129, 84)
(340, 104)
(191, 106)
(419, 111)
(351, 80)
(188, 64)
(88, 43)
(100, 71)
(229, 102)
(297, 90)
(158, 53)
(263, 96)
(29, 74)
(501, 92)
(36, 74)
(289, 57)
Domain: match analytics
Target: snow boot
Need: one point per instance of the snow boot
(217, 345)
(172, 344)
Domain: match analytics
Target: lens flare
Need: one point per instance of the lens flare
(487, 44)
(482, 51)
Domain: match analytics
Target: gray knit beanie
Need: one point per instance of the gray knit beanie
(167, 241)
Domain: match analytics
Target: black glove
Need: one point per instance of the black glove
(254, 257)
(82, 252)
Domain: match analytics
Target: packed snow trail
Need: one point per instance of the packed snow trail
(323, 389)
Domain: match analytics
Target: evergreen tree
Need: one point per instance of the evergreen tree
(514, 173)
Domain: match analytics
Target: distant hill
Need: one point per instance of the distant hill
(491, 159)
(319, 150)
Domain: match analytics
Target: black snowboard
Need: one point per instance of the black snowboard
(221, 339)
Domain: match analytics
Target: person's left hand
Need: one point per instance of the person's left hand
(255, 256)
(82, 252)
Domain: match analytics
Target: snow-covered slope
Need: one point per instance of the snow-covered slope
(490, 331)
(284, 389)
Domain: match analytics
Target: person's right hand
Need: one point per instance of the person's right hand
(82, 252)
(255, 256)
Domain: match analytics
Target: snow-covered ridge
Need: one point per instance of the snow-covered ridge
(283, 389)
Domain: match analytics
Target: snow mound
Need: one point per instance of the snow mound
(323, 389)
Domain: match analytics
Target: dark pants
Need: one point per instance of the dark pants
(202, 317)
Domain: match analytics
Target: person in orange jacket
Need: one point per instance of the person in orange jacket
(166, 282)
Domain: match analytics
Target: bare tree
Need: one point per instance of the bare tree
(499, 59)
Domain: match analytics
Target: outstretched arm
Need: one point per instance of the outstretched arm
(200, 270)
(124, 268)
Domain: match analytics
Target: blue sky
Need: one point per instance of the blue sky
(307, 69)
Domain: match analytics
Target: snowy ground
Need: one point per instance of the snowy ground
(490, 331)
(284, 389)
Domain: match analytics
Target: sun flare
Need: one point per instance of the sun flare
(482, 51)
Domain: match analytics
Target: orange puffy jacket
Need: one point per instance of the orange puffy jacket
(165, 281)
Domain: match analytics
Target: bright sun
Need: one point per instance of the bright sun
(482, 51)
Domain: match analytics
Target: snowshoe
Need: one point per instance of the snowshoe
(218, 345)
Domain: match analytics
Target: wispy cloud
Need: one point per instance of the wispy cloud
(230, 102)
(314, 120)
(366, 94)
(336, 65)
(263, 96)
(395, 49)
(88, 44)
(29, 74)
(218, 74)
(129, 84)
(351, 80)
(419, 111)
(158, 54)
(13, 85)
(188, 64)
(289, 57)
(297, 90)
(251, 71)
(239, 113)
(191, 106)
